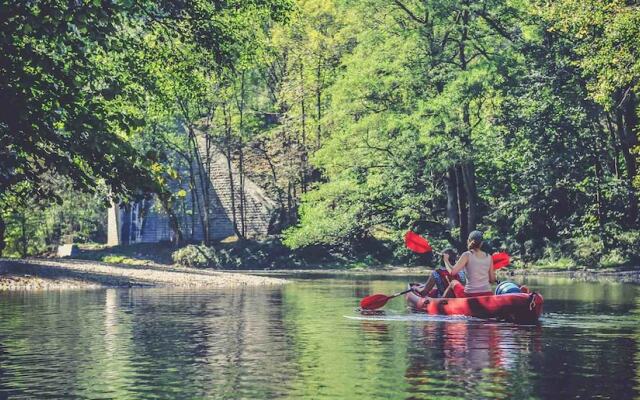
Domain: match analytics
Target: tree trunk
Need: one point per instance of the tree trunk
(631, 141)
(243, 229)
(192, 230)
(289, 205)
(462, 207)
(319, 85)
(274, 176)
(243, 200)
(3, 228)
(625, 124)
(468, 168)
(203, 206)
(452, 198)
(24, 241)
(600, 206)
(613, 143)
(174, 224)
(196, 206)
(232, 192)
(469, 175)
(303, 142)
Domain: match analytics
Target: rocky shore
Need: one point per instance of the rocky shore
(44, 274)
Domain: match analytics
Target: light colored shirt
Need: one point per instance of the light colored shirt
(477, 272)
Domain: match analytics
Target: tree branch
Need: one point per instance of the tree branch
(409, 12)
(494, 24)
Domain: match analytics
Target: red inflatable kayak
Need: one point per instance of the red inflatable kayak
(520, 308)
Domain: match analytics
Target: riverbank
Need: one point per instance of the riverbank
(45, 274)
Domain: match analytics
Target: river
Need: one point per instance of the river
(305, 340)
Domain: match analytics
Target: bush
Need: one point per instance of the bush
(628, 243)
(195, 256)
(587, 250)
(614, 258)
(240, 255)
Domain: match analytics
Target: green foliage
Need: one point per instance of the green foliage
(254, 255)
(628, 244)
(334, 213)
(406, 108)
(227, 257)
(362, 119)
(606, 37)
(37, 227)
(613, 259)
(119, 259)
(587, 250)
(79, 81)
(57, 114)
(556, 264)
(194, 256)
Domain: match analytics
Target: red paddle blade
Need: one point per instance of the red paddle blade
(416, 242)
(374, 301)
(500, 260)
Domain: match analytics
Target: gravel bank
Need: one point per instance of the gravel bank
(75, 274)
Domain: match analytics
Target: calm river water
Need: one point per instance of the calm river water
(304, 340)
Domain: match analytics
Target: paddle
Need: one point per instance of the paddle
(378, 300)
(500, 260)
(417, 244)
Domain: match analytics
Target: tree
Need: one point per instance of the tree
(66, 111)
(420, 81)
(605, 35)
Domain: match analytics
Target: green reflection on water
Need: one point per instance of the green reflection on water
(336, 357)
(297, 342)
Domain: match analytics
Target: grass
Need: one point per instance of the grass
(117, 259)
(555, 264)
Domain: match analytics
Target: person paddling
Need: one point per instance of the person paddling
(478, 267)
(440, 279)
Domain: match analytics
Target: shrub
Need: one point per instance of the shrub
(629, 243)
(195, 256)
(587, 250)
(245, 255)
(614, 258)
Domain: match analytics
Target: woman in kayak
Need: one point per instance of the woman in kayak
(478, 267)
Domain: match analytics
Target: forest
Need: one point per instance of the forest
(362, 119)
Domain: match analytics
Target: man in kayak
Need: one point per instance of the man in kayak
(440, 278)
(478, 268)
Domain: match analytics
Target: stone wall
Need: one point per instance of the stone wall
(253, 216)
(145, 222)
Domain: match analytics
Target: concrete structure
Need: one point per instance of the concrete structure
(146, 222)
(67, 250)
(139, 222)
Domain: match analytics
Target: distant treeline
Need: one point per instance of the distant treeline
(362, 118)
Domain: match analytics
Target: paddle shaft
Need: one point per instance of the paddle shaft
(400, 293)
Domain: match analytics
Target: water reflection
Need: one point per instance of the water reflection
(468, 358)
(295, 342)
